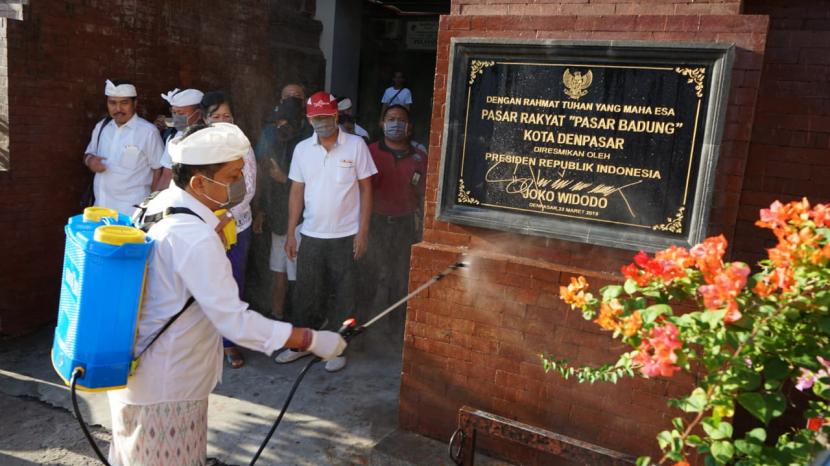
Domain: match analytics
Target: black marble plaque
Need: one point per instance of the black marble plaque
(603, 143)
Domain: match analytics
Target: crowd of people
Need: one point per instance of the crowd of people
(341, 211)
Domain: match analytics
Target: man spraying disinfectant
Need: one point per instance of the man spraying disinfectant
(189, 276)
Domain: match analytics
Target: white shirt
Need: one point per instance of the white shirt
(242, 211)
(131, 151)
(166, 160)
(404, 98)
(332, 195)
(188, 258)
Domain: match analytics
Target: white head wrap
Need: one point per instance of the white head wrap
(344, 104)
(185, 98)
(121, 90)
(218, 143)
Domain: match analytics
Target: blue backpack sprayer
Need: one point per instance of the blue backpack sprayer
(104, 270)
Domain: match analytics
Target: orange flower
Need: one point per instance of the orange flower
(724, 289)
(574, 293)
(681, 463)
(708, 256)
(821, 215)
(632, 324)
(608, 313)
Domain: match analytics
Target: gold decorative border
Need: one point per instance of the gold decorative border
(464, 196)
(477, 67)
(672, 225)
(696, 77)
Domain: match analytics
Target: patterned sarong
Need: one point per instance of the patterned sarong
(162, 434)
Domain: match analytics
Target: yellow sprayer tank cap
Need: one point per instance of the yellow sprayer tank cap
(95, 214)
(117, 235)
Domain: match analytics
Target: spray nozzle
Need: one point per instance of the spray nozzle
(347, 324)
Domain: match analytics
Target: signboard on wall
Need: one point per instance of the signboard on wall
(589, 142)
(421, 35)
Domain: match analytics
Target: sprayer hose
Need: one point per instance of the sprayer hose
(72, 388)
(294, 387)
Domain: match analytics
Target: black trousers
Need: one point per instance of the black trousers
(387, 263)
(325, 269)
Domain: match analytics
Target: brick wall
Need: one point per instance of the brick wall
(475, 338)
(4, 98)
(59, 57)
(596, 7)
(790, 149)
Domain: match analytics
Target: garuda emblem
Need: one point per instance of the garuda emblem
(576, 83)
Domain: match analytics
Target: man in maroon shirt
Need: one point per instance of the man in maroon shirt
(398, 193)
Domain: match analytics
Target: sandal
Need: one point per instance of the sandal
(234, 357)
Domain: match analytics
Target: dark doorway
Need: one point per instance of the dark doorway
(398, 36)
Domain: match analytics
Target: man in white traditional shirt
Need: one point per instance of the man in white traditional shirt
(124, 152)
(185, 112)
(160, 418)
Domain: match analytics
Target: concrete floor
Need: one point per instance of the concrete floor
(335, 419)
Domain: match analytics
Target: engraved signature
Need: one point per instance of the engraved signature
(517, 184)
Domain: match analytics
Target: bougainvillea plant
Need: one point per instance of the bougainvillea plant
(747, 338)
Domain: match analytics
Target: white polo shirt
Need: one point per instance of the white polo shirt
(332, 195)
(132, 151)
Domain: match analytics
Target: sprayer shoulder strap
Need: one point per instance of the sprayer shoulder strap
(167, 324)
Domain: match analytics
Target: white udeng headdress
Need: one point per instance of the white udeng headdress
(218, 143)
(121, 90)
(185, 98)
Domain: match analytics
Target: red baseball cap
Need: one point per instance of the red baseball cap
(321, 103)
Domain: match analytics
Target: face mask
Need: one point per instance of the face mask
(236, 192)
(394, 130)
(324, 127)
(180, 122)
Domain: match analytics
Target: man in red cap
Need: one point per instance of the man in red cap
(331, 187)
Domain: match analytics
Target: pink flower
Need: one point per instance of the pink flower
(708, 256)
(808, 377)
(656, 354)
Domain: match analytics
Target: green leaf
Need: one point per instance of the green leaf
(630, 287)
(651, 313)
(758, 434)
(694, 403)
(722, 451)
(822, 298)
(712, 318)
(763, 407)
(717, 430)
(824, 324)
(776, 369)
(664, 439)
(749, 380)
(677, 423)
(610, 292)
(747, 448)
(644, 461)
(694, 440)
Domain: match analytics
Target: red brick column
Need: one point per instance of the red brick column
(475, 338)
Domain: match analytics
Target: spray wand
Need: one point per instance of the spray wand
(349, 330)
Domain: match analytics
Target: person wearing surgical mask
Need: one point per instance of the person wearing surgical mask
(217, 107)
(274, 152)
(397, 208)
(161, 416)
(331, 188)
(184, 112)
